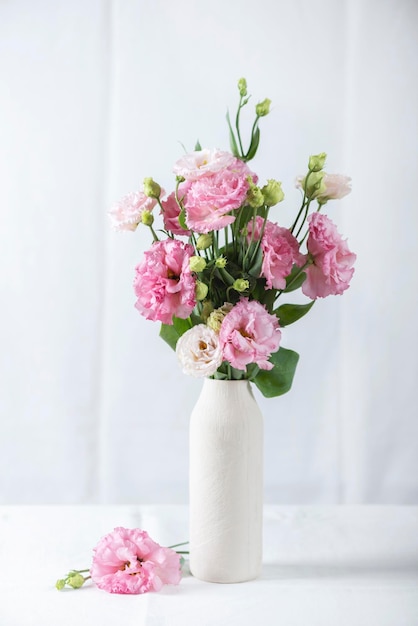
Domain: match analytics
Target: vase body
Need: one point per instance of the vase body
(226, 483)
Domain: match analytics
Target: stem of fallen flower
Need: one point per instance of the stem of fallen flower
(177, 545)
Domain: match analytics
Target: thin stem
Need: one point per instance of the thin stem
(237, 126)
(177, 545)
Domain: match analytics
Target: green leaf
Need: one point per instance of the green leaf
(172, 332)
(279, 380)
(255, 140)
(182, 219)
(295, 279)
(197, 147)
(232, 140)
(255, 268)
(290, 313)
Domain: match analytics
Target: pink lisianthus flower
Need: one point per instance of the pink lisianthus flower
(211, 199)
(280, 251)
(331, 269)
(202, 163)
(199, 352)
(164, 284)
(249, 334)
(127, 213)
(171, 212)
(129, 561)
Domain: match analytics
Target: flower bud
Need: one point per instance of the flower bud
(242, 86)
(204, 241)
(76, 580)
(241, 285)
(201, 290)
(255, 197)
(197, 263)
(263, 108)
(217, 317)
(221, 262)
(60, 584)
(317, 162)
(313, 184)
(151, 188)
(272, 192)
(147, 218)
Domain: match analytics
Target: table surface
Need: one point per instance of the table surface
(335, 565)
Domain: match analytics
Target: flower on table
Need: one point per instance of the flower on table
(164, 283)
(129, 561)
(331, 269)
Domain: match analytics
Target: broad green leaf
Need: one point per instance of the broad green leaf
(290, 313)
(171, 332)
(295, 279)
(255, 268)
(232, 140)
(279, 380)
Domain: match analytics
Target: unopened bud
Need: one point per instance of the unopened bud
(204, 241)
(255, 197)
(76, 580)
(60, 584)
(197, 263)
(147, 218)
(217, 317)
(272, 192)
(263, 108)
(241, 285)
(317, 162)
(221, 262)
(151, 188)
(242, 86)
(201, 290)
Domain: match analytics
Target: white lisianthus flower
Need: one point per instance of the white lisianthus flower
(199, 352)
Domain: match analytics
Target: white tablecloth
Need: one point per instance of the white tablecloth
(323, 566)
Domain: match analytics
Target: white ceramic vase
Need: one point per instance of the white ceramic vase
(226, 483)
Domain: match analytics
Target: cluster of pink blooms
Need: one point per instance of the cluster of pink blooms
(213, 186)
(129, 561)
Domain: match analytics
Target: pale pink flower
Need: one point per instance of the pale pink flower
(280, 251)
(199, 352)
(127, 213)
(249, 334)
(202, 163)
(331, 271)
(171, 212)
(336, 187)
(129, 561)
(164, 284)
(211, 199)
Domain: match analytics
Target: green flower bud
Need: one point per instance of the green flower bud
(151, 188)
(201, 290)
(60, 584)
(272, 192)
(241, 285)
(204, 241)
(314, 184)
(197, 263)
(255, 197)
(180, 179)
(317, 162)
(263, 108)
(221, 262)
(76, 580)
(147, 218)
(242, 86)
(217, 317)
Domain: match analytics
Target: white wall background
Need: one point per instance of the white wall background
(94, 96)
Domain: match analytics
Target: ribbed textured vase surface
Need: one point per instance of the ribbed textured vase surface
(226, 483)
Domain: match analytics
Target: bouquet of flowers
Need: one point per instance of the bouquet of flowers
(220, 265)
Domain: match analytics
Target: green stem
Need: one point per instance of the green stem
(237, 127)
(177, 545)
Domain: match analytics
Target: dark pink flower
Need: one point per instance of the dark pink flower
(164, 284)
(280, 252)
(249, 334)
(129, 561)
(331, 270)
